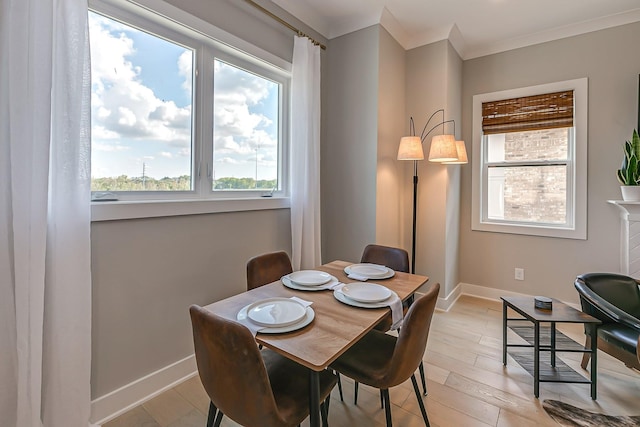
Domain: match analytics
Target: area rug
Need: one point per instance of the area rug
(568, 415)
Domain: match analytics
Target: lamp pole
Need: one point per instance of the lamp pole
(415, 200)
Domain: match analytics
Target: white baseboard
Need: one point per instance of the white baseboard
(481, 292)
(117, 402)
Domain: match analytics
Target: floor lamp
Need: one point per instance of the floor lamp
(444, 149)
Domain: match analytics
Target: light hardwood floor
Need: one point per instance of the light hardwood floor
(466, 381)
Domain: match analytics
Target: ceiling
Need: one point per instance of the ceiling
(474, 27)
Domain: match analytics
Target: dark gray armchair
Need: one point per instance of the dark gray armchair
(615, 300)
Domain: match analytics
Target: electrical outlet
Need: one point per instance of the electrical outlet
(519, 275)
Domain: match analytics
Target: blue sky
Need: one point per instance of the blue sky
(142, 110)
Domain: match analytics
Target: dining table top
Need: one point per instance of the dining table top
(336, 326)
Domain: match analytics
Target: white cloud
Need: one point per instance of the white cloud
(166, 154)
(108, 147)
(122, 104)
(185, 69)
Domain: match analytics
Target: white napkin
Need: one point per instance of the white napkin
(359, 277)
(396, 313)
(253, 327)
(304, 303)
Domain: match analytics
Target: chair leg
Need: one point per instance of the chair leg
(586, 356)
(420, 402)
(355, 393)
(212, 414)
(218, 419)
(324, 413)
(340, 387)
(387, 406)
(422, 377)
(381, 400)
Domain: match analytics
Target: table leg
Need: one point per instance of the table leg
(504, 333)
(553, 344)
(314, 398)
(594, 356)
(536, 359)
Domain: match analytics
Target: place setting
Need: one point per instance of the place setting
(371, 295)
(276, 315)
(368, 271)
(310, 280)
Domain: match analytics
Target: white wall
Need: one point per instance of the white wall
(610, 61)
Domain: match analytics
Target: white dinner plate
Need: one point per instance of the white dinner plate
(289, 284)
(366, 292)
(276, 312)
(309, 277)
(308, 318)
(346, 300)
(370, 271)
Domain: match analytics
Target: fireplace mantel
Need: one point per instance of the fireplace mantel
(629, 237)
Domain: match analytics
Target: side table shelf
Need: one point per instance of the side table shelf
(541, 336)
(561, 372)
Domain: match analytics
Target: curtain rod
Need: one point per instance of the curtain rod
(286, 24)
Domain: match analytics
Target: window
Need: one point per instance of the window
(177, 114)
(529, 163)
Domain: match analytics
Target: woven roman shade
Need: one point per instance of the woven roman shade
(547, 111)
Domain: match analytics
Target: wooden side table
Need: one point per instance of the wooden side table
(556, 370)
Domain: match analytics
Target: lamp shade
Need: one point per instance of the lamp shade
(443, 149)
(462, 154)
(410, 148)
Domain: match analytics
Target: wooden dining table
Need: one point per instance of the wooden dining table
(335, 328)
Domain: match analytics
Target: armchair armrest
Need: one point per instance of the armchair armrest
(606, 307)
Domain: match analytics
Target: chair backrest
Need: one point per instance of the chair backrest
(412, 340)
(267, 268)
(616, 289)
(394, 258)
(232, 370)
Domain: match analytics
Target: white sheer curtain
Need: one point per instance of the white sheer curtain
(45, 278)
(305, 155)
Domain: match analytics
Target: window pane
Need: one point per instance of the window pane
(141, 109)
(528, 194)
(245, 130)
(539, 145)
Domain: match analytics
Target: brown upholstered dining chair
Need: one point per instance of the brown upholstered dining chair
(396, 259)
(252, 387)
(383, 361)
(267, 268)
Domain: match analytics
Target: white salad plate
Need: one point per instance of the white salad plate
(366, 292)
(346, 300)
(289, 284)
(276, 312)
(308, 318)
(371, 271)
(309, 277)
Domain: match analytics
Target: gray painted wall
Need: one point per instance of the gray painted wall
(349, 145)
(610, 61)
(391, 187)
(433, 82)
(147, 272)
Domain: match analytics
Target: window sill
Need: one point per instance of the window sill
(113, 211)
(578, 233)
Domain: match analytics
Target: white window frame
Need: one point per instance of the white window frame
(576, 227)
(209, 43)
